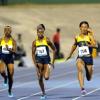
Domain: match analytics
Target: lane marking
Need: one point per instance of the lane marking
(97, 89)
(53, 77)
(18, 70)
(59, 86)
(25, 97)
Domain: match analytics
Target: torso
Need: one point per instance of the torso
(82, 42)
(42, 49)
(3, 44)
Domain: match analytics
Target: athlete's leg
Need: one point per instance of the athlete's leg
(80, 67)
(10, 70)
(46, 71)
(40, 77)
(3, 72)
(90, 72)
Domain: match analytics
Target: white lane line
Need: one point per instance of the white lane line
(25, 97)
(2, 90)
(53, 77)
(59, 86)
(88, 92)
(22, 76)
(97, 89)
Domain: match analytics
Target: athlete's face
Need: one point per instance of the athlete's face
(7, 31)
(84, 29)
(40, 32)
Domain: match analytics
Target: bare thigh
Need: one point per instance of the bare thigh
(2, 66)
(80, 64)
(11, 69)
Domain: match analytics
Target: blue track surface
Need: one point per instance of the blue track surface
(63, 84)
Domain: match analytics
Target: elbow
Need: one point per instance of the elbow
(94, 44)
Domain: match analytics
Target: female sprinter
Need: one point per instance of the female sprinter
(41, 57)
(85, 43)
(8, 48)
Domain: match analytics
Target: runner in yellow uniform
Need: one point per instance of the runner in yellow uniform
(41, 57)
(84, 59)
(8, 48)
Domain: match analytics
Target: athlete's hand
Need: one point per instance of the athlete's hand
(53, 65)
(36, 64)
(90, 30)
(68, 58)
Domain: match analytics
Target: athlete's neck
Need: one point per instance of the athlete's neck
(7, 37)
(82, 34)
(40, 38)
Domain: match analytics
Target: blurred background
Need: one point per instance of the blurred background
(25, 15)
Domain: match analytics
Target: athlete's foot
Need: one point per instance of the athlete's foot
(43, 97)
(83, 91)
(10, 94)
(5, 82)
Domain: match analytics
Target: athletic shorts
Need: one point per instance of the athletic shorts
(7, 58)
(87, 60)
(43, 60)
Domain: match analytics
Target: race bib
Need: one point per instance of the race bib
(41, 51)
(4, 49)
(83, 51)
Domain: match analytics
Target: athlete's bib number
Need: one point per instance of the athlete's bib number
(41, 51)
(4, 49)
(83, 51)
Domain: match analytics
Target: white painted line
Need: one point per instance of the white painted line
(21, 76)
(87, 94)
(25, 97)
(59, 86)
(52, 77)
(3, 89)
(56, 76)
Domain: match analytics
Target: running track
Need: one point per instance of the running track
(63, 84)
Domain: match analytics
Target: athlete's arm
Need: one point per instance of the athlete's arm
(90, 31)
(14, 46)
(33, 52)
(0, 41)
(93, 41)
(74, 46)
(53, 48)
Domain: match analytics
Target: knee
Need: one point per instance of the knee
(11, 72)
(89, 77)
(10, 75)
(80, 70)
(2, 70)
(40, 78)
(46, 78)
(79, 67)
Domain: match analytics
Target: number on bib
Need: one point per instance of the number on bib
(41, 51)
(83, 51)
(4, 49)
